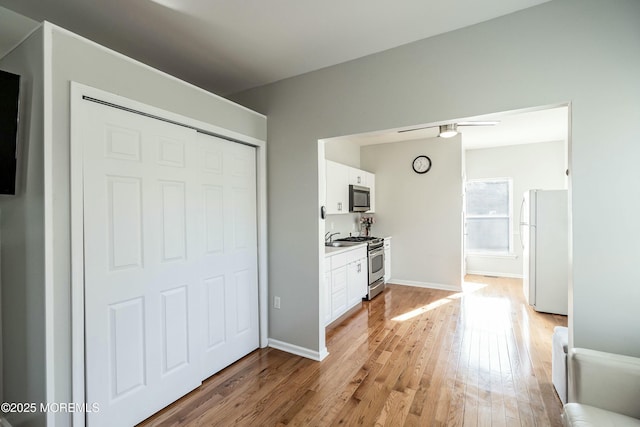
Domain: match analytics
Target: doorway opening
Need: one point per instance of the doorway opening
(424, 213)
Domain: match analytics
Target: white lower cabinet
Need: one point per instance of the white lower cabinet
(345, 282)
(356, 281)
(338, 291)
(327, 291)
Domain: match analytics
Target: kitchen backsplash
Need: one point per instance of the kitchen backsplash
(343, 224)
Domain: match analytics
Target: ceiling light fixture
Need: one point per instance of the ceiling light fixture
(448, 131)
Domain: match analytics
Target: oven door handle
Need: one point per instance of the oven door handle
(376, 252)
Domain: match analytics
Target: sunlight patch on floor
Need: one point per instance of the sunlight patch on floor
(420, 310)
(467, 288)
(489, 314)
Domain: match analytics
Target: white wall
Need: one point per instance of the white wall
(423, 213)
(22, 251)
(343, 224)
(540, 166)
(586, 52)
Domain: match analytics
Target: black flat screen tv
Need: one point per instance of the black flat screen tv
(9, 105)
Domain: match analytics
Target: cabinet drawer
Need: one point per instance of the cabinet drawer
(339, 260)
(344, 258)
(356, 254)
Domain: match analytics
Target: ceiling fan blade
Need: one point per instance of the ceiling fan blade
(470, 123)
(411, 130)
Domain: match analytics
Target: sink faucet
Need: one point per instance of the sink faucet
(328, 237)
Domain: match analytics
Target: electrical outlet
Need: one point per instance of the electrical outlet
(276, 302)
(332, 225)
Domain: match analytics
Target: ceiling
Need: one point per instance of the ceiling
(518, 127)
(226, 46)
(13, 28)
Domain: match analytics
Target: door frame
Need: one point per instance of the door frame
(78, 91)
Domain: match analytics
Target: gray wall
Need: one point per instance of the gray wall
(347, 153)
(22, 251)
(423, 213)
(540, 166)
(586, 52)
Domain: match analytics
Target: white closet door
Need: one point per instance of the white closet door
(142, 287)
(229, 263)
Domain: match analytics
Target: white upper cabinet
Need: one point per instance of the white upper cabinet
(357, 177)
(337, 188)
(338, 179)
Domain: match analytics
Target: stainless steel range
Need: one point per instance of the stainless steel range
(375, 251)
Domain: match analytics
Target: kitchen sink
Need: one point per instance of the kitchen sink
(342, 244)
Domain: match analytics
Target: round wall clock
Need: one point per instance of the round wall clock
(421, 164)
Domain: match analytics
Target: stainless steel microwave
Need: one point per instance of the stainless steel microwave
(359, 198)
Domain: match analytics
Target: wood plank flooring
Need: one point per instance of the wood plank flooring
(410, 357)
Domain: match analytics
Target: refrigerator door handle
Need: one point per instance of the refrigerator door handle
(521, 223)
(521, 241)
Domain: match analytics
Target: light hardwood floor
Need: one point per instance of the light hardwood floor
(412, 356)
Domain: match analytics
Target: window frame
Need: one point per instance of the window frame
(509, 217)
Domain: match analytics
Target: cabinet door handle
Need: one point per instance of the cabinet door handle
(339, 206)
(359, 267)
(359, 180)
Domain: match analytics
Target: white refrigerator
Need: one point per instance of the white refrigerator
(544, 233)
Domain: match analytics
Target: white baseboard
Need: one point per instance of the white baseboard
(493, 273)
(428, 285)
(299, 351)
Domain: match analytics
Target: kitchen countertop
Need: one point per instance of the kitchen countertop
(330, 250)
